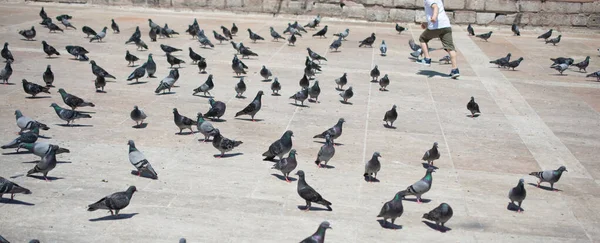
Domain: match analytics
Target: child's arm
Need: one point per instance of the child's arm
(436, 10)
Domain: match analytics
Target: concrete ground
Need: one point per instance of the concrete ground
(532, 120)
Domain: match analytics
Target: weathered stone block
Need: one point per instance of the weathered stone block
(100, 2)
(548, 19)
(271, 6)
(465, 17)
(377, 14)
(529, 6)
(593, 21)
(327, 9)
(294, 8)
(219, 4)
(475, 4)
(370, 2)
(354, 11)
(234, 3)
(593, 7)
(579, 19)
(402, 15)
(407, 3)
(454, 4)
(388, 3)
(561, 7)
(253, 5)
(508, 19)
(125, 2)
(420, 16)
(501, 6)
(485, 18)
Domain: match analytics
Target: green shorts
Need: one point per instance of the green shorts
(445, 35)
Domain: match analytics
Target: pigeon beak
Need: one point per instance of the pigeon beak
(329, 227)
(566, 170)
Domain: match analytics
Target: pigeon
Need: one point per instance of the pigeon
(275, 86)
(368, 41)
(422, 186)
(46, 164)
(550, 176)
(116, 201)
(193, 31)
(33, 89)
(372, 167)
(561, 68)
(336, 44)
(347, 94)
(470, 30)
(559, 60)
(194, 56)
(114, 26)
(240, 88)
(226, 32)
(518, 194)
(217, 109)
(67, 23)
(440, 215)
(139, 161)
(53, 28)
(135, 36)
(9, 187)
(253, 107)
(89, 31)
(335, 131)
(43, 14)
(390, 116)
(392, 209)
(319, 235)
(40, 148)
(413, 46)
(301, 96)
(6, 54)
(314, 91)
(383, 48)
(151, 67)
(63, 16)
(100, 36)
(595, 75)
(546, 35)
(399, 28)
(169, 31)
(28, 34)
(49, 50)
(583, 64)
(152, 24)
(292, 40)
(317, 19)
(100, 82)
(375, 73)
(501, 62)
(321, 32)
(68, 115)
(341, 81)
(162, 32)
(314, 56)
(174, 60)
(24, 137)
(253, 36)
(153, 33)
(445, 59)
(276, 36)
(514, 64)
(76, 51)
(46, 21)
(515, 29)
(431, 154)
(287, 165)
(182, 122)
(202, 65)
(245, 52)
(554, 41)
(206, 86)
(473, 107)
(99, 71)
(309, 194)
(280, 147)
(205, 127)
(26, 123)
(131, 59)
(6, 72)
(265, 73)
(311, 24)
(168, 49)
(219, 37)
(73, 101)
(313, 65)
(309, 72)
(384, 82)
(343, 34)
(138, 73)
(141, 45)
(138, 116)
(485, 36)
(326, 152)
(224, 144)
(234, 29)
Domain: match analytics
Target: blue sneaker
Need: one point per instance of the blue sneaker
(454, 73)
(424, 61)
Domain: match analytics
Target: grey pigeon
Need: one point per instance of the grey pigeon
(9, 187)
(368, 41)
(399, 28)
(311, 24)
(446, 59)
(43, 14)
(77, 51)
(67, 23)
(217, 109)
(204, 41)
(226, 32)
(292, 40)
(485, 36)
(319, 235)
(309, 194)
(169, 30)
(89, 31)
(554, 41)
(431, 154)
(174, 60)
(116, 201)
(561, 68)
(372, 167)
(3, 240)
(150, 66)
(299, 27)
(194, 56)
(336, 44)
(343, 34)
(253, 36)
(114, 26)
(383, 48)
(470, 30)
(168, 82)
(384, 82)
(335, 131)
(514, 64)
(321, 33)
(6, 54)
(238, 68)
(33, 89)
(141, 45)
(41, 148)
(168, 49)
(265, 73)
(205, 127)
(341, 81)
(392, 209)
(422, 186)
(473, 107)
(314, 56)
(68, 115)
(100, 36)
(594, 75)
(46, 164)
(219, 37)
(135, 36)
(240, 88)
(224, 144)
(515, 29)
(138, 73)
(138, 116)
(182, 122)
(100, 82)
(583, 64)
(26, 137)
(518, 194)
(276, 36)
(246, 52)
(49, 50)
(6, 72)
(550, 176)
(26, 123)
(73, 101)
(99, 71)
(560, 60)
(347, 94)
(326, 152)
(375, 73)
(48, 76)
(301, 96)
(139, 161)
(276, 86)
(546, 35)
(287, 165)
(253, 107)
(440, 215)
(206, 86)
(280, 147)
(131, 59)
(234, 29)
(182, 240)
(390, 116)
(501, 62)
(153, 34)
(304, 82)
(314, 91)
(202, 65)
(29, 34)
(413, 46)
(53, 28)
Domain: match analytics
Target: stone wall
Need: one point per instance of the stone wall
(581, 13)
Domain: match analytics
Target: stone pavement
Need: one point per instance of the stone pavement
(533, 119)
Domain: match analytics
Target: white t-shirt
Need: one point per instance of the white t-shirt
(442, 19)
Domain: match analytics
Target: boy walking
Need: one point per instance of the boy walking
(437, 26)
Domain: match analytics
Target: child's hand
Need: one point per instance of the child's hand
(433, 19)
(423, 25)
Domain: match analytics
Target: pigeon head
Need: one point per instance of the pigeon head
(260, 93)
(182, 240)
(349, 88)
(217, 131)
(562, 168)
(54, 105)
(383, 42)
(112, 20)
(372, 34)
(135, 107)
(93, 62)
(376, 154)
(300, 173)
(61, 90)
(5, 44)
(211, 101)
(435, 144)
(18, 113)
(520, 59)
(131, 190)
(249, 30)
(521, 181)
(394, 107)
(24, 81)
(472, 98)
(288, 134)
(325, 225)
(400, 195)
(293, 152)
(430, 170)
(233, 25)
(175, 111)
(131, 143)
(341, 120)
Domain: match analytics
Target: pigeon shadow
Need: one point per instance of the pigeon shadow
(205, 140)
(142, 125)
(203, 72)
(8, 83)
(423, 200)
(217, 120)
(369, 178)
(136, 83)
(275, 94)
(301, 105)
(388, 225)
(114, 217)
(513, 207)
(249, 119)
(37, 97)
(17, 153)
(166, 93)
(431, 73)
(473, 116)
(324, 166)
(14, 202)
(50, 178)
(235, 76)
(74, 125)
(36, 161)
(204, 96)
(427, 165)
(53, 57)
(374, 81)
(544, 187)
(144, 174)
(338, 89)
(100, 91)
(303, 207)
(267, 80)
(227, 155)
(345, 102)
(241, 97)
(184, 133)
(439, 228)
(388, 126)
(280, 177)
(134, 65)
(88, 112)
